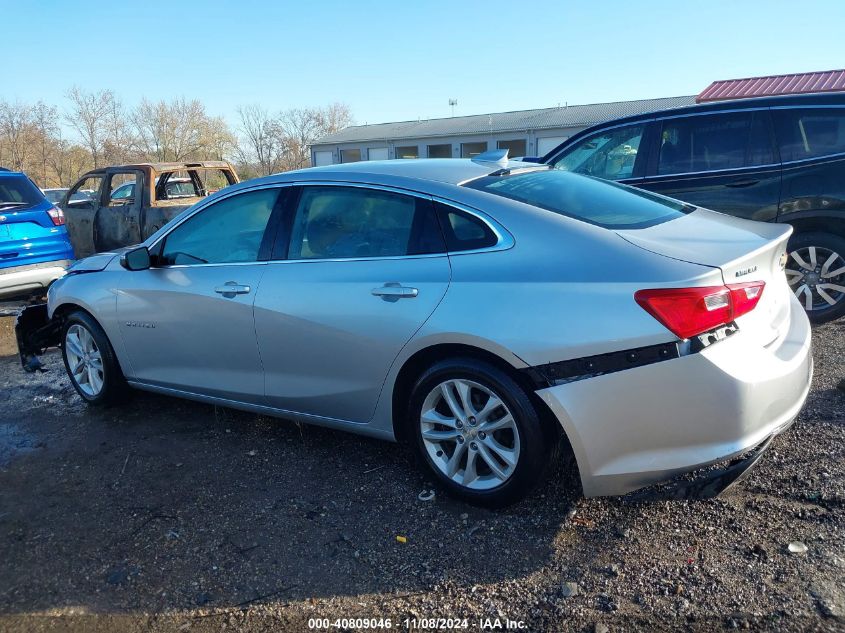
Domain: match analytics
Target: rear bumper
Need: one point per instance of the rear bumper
(645, 425)
(21, 281)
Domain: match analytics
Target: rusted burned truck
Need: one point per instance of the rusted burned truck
(123, 205)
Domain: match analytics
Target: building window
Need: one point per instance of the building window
(469, 150)
(515, 147)
(350, 155)
(377, 153)
(440, 151)
(409, 151)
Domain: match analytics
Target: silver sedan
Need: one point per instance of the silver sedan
(490, 314)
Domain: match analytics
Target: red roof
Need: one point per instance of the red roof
(826, 81)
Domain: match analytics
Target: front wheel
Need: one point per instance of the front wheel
(90, 360)
(815, 271)
(478, 433)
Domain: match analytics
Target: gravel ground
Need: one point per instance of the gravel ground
(168, 515)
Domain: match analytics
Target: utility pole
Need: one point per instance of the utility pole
(452, 104)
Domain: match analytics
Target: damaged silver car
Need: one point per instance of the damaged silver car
(488, 313)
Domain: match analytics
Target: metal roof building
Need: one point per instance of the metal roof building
(523, 132)
(798, 83)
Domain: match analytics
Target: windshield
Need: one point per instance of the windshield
(598, 202)
(17, 192)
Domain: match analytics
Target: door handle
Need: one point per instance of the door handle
(232, 288)
(742, 183)
(392, 291)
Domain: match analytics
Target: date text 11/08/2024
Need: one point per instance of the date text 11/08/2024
(418, 624)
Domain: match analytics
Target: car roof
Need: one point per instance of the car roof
(812, 99)
(453, 171)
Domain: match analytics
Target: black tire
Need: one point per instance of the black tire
(826, 243)
(536, 446)
(114, 389)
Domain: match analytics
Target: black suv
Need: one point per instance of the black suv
(776, 159)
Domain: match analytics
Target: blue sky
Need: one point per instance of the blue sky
(403, 60)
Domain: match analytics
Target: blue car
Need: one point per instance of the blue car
(35, 248)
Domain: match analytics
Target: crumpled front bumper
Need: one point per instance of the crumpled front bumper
(35, 332)
(645, 425)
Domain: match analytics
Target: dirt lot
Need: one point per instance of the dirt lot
(167, 515)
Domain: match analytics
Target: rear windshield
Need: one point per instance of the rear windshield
(17, 192)
(598, 202)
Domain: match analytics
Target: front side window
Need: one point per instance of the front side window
(714, 142)
(352, 222)
(809, 132)
(226, 232)
(610, 154)
(86, 193)
(599, 202)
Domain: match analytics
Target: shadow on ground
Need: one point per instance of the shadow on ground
(166, 503)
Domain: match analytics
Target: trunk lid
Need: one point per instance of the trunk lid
(742, 249)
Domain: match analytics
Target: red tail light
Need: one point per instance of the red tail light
(687, 312)
(56, 215)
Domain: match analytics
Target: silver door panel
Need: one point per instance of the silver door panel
(180, 332)
(327, 341)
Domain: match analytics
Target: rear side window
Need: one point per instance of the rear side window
(606, 204)
(714, 142)
(463, 231)
(809, 132)
(355, 222)
(17, 192)
(610, 154)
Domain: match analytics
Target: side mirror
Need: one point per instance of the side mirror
(136, 259)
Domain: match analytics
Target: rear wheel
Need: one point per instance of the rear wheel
(815, 271)
(90, 361)
(477, 432)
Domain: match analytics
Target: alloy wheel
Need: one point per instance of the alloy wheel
(470, 434)
(84, 360)
(816, 276)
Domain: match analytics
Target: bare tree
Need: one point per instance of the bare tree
(15, 131)
(34, 138)
(217, 139)
(335, 117)
(69, 161)
(118, 140)
(45, 122)
(171, 131)
(88, 116)
(263, 142)
(303, 127)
